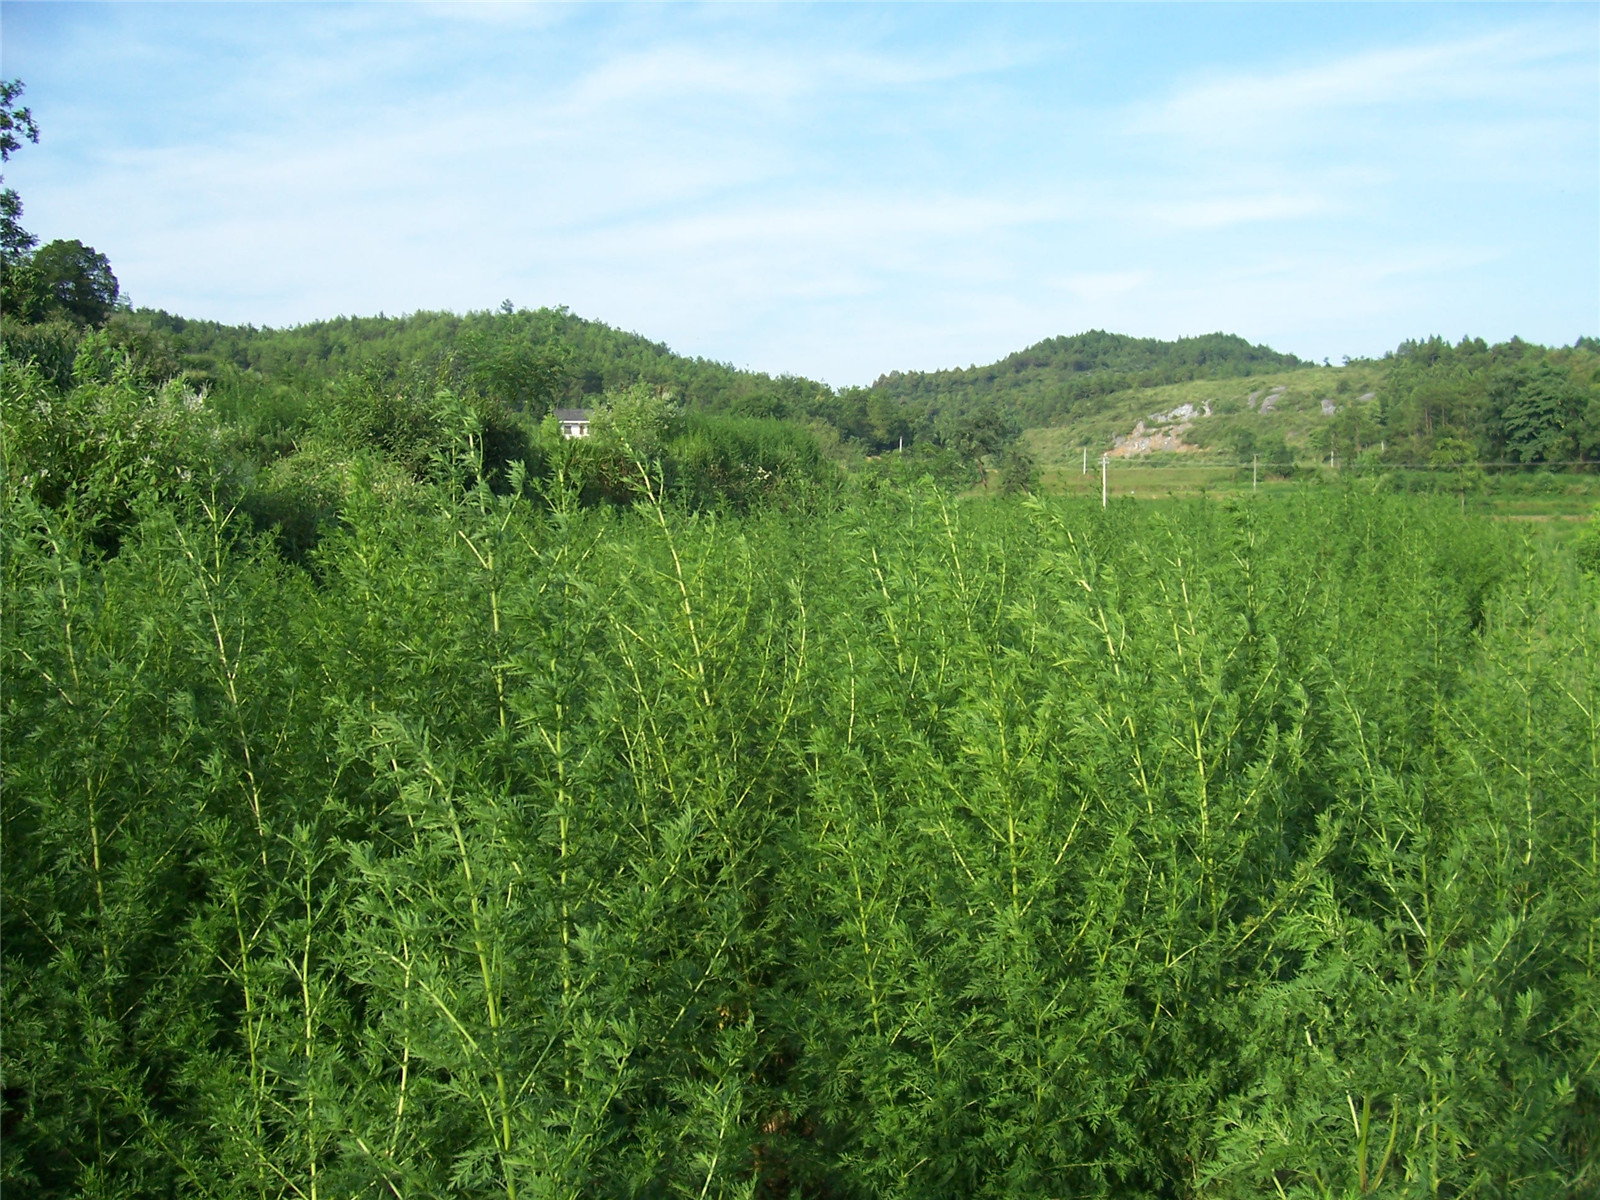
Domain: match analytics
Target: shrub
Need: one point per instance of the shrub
(1586, 545)
(745, 462)
(50, 348)
(97, 447)
(428, 434)
(1018, 471)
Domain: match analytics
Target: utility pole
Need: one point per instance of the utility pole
(1105, 468)
(1253, 458)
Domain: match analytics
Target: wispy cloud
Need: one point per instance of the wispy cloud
(1215, 212)
(1515, 67)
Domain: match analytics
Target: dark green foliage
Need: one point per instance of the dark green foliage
(62, 350)
(976, 435)
(422, 426)
(1018, 472)
(49, 348)
(1513, 402)
(96, 450)
(745, 462)
(902, 848)
(16, 126)
(1245, 439)
(409, 427)
(1274, 457)
(72, 280)
(1586, 546)
(372, 436)
(518, 374)
(1536, 408)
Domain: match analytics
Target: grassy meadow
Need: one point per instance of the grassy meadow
(1544, 496)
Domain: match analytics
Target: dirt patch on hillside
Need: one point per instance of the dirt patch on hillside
(1161, 432)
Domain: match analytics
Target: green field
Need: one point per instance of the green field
(1570, 496)
(901, 846)
(1155, 483)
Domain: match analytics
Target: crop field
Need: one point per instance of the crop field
(899, 846)
(1550, 495)
(1152, 482)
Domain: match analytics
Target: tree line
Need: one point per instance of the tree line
(1513, 402)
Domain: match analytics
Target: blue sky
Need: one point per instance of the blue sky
(835, 191)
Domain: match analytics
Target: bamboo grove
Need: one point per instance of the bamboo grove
(882, 846)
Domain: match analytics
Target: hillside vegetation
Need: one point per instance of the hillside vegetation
(1278, 416)
(1061, 378)
(1428, 404)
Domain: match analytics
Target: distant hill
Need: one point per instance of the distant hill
(1514, 401)
(1062, 377)
(1428, 403)
(557, 356)
(537, 360)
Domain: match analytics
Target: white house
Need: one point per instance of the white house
(574, 422)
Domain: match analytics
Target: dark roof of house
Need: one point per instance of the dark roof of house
(572, 414)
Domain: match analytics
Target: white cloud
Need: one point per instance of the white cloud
(1215, 212)
(1509, 67)
(1094, 287)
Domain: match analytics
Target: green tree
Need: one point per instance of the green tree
(1242, 441)
(1455, 454)
(1586, 546)
(1275, 456)
(1019, 472)
(523, 376)
(887, 421)
(635, 419)
(1536, 409)
(16, 125)
(75, 279)
(1589, 427)
(978, 434)
(620, 459)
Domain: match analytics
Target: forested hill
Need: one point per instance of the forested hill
(543, 357)
(1514, 401)
(535, 360)
(1051, 380)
